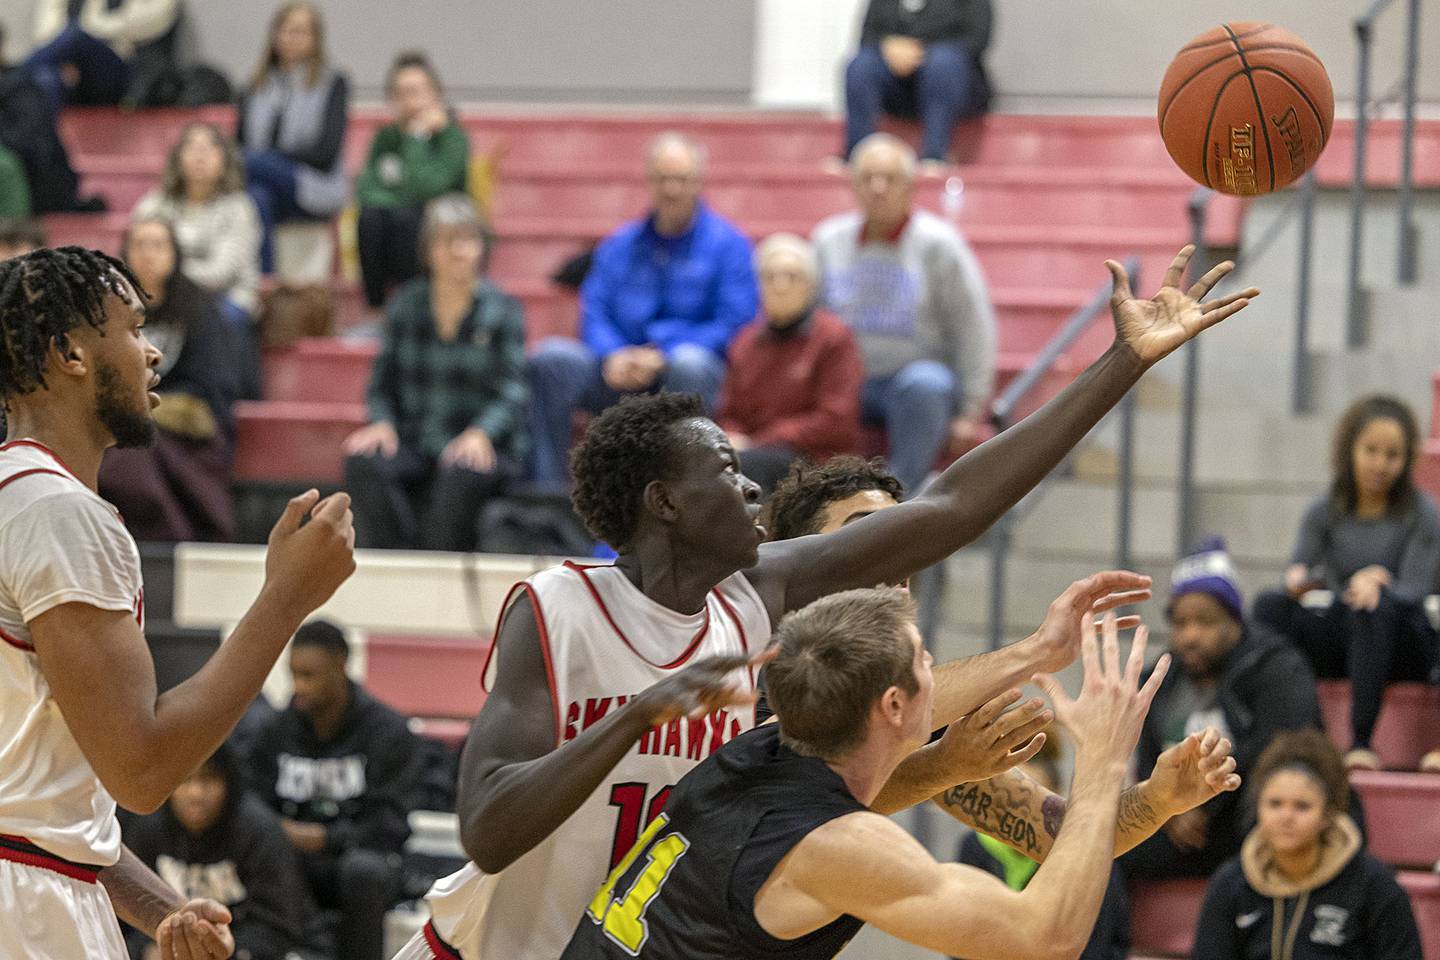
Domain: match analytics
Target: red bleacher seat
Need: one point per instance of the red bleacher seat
(320, 369)
(1424, 892)
(1409, 722)
(281, 442)
(427, 676)
(1402, 814)
(1163, 914)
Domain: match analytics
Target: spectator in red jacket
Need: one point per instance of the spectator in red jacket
(793, 388)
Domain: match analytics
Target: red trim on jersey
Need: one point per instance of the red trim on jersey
(41, 447)
(17, 643)
(544, 647)
(744, 642)
(677, 662)
(441, 949)
(25, 473)
(20, 850)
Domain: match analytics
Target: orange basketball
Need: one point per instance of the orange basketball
(1246, 108)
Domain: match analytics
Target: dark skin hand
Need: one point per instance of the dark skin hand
(516, 787)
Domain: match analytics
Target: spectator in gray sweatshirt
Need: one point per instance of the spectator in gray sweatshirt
(912, 291)
(1373, 540)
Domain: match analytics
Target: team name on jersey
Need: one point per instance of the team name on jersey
(217, 881)
(692, 739)
(303, 779)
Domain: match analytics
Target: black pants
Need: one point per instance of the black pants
(1157, 858)
(1391, 644)
(361, 885)
(410, 502)
(767, 466)
(388, 238)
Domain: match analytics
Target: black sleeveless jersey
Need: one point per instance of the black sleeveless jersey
(686, 890)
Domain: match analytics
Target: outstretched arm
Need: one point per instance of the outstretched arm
(1021, 813)
(977, 489)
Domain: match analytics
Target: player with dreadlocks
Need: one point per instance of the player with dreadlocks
(81, 724)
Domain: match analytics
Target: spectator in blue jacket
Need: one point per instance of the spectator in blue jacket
(663, 299)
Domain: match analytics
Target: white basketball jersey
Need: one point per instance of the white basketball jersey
(59, 543)
(604, 641)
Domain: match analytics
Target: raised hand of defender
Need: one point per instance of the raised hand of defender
(1104, 721)
(199, 930)
(714, 683)
(1191, 772)
(307, 561)
(994, 739)
(1058, 636)
(1153, 328)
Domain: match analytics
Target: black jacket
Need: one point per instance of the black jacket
(244, 861)
(966, 21)
(206, 367)
(361, 785)
(1363, 914)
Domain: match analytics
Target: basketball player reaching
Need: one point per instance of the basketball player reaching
(759, 848)
(952, 770)
(599, 700)
(81, 726)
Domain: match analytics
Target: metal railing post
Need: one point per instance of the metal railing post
(1408, 258)
(1357, 319)
(1302, 396)
(1185, 525)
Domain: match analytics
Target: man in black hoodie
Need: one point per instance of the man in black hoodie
(215, 839)
(342, 769)
(1251, 685)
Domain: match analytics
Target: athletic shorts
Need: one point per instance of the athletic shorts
(46, 915)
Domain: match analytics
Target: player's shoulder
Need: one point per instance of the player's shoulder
(32, 478)
(851, 841)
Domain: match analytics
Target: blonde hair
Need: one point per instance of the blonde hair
(270, 60)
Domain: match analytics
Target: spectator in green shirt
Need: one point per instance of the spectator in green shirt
(14, 186)
(447, 396)
(419, 157)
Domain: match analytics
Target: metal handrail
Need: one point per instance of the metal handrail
(1002, 534)
(1357, 305)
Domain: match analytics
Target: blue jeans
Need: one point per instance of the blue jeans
(565, 376)
(915, 406)
(270, 182)
(947, 88)
(104, 77)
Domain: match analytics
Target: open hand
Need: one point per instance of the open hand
(1155, 327)
(199, 930)
(371, 439)
(472, 450)
(1191, 773)
(989, 742)
(1057, 640)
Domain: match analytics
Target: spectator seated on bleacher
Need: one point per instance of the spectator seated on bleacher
(28, 132)
(664, 297)
(912, 291)
(292, 122)
(202, 194)
(19, 236)
(216, 839)
(1303, 886)
(14, 186)
(422, 155)
(1110, 940)
(919, 61)
(793, 389)
(446, 398)
(1243, 681)
(88, 50)
(178, 487)
(341, 769)
(1373, 541)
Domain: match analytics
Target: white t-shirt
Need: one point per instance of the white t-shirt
(59, 543)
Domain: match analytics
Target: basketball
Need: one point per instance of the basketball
(1246, 108)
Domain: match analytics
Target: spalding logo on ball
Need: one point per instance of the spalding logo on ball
(1246, 108)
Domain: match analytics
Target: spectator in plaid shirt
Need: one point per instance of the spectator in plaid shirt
(446, 398)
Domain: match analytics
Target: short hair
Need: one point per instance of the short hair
(799, 501)
(907, 153)
(44, 295)
(323, 634)
(412, 60)
(15, 231)
(788, 243)
(232, 175)
(837, 657)
(454, 210)
(1308, 752)
(674, 138)
(624, 449)
(1344, 491)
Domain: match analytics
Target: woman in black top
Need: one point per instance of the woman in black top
(1373, 540)
(1303, 887)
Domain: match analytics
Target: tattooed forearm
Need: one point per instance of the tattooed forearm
(1136, 813)
(1002, 807)
(1053, 810)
